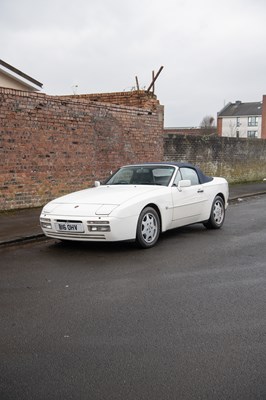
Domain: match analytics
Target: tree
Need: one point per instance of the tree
(208, 122)
(208, 125)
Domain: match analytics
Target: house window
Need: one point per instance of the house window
(252, 134)
(252, 121)
(237, 121)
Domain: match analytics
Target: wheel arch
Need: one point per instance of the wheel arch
(221, 195)
(211, 223)
(156, 208)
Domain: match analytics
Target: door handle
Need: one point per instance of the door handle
(200, 191)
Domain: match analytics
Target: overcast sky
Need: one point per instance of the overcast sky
(212, 51)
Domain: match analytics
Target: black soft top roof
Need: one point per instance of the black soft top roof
(202, 177)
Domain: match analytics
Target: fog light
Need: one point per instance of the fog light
(98, 226)
(46, 223)
(104, 228)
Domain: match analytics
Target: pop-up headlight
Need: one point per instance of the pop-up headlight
(105, 209)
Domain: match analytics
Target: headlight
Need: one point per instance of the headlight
(45, 223)
(49, 207)
(105, 209)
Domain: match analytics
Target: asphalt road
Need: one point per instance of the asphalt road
(183, 320)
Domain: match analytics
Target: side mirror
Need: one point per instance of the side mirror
(97, 183)
(184, 183)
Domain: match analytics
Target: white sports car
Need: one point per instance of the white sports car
(138, 202)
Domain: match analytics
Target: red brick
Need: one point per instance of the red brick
(51, 145)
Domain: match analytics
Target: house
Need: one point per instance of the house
(12, 78)
(243, 120)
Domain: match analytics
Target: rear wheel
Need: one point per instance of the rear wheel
(217, 216)
(148, 228)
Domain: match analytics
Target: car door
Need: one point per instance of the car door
(188, 202)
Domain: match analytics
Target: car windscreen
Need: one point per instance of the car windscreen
(142, 175)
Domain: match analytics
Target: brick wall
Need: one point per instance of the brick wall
(238, 160)
(51, 145)
(190, 131)
(139, 99)
(263, 119)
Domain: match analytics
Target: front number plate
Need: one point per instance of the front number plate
(69, 227)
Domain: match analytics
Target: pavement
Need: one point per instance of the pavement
(23, 224)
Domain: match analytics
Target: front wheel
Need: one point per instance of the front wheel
(217, 216)
(148, 228)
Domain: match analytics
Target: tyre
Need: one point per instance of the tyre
(148, 228)
(217, 216)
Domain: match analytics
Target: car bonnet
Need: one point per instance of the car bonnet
(88, 201)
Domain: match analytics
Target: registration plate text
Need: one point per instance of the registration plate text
(69, 227)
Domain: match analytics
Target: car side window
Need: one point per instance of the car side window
(191, 174)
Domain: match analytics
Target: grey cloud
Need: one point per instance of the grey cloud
(208, 50)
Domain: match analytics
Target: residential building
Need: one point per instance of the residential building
(12, 78)
(243, 120)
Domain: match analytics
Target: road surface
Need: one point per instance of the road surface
(183, 320)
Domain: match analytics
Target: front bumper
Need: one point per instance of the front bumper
(103, 229)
